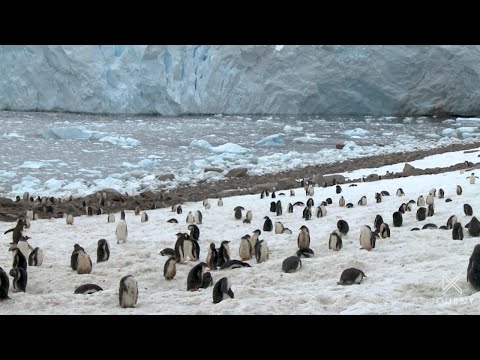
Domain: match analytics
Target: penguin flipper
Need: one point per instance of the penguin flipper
(230, 293)
(9, 230)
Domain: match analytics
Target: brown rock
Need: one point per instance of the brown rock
(238, 172)
(339, 146)
(408, 169)
(165, 177)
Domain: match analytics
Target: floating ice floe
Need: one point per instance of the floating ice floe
(292, 128)
(356, 132)
(309, 140)
(449, 132)
(271, 140)
(403, 137)
(33, 165)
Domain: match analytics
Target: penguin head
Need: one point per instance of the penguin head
(246, 237)
(212, 246)
(476, 250)
(258, 232)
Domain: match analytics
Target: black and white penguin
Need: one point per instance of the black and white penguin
(84, 263)
(397, 219)
(16, 231)
(121, 231)
(253, 239)
(128, 292)
(30, 215)
(384, 231)
(307, 253)
(220, 202)
(69, 219)
(421, 214)
(474, 227)
(400, 192)
(291, 264)
(89, 211)
(167, 252)
(307, 213)
(377, 222)
(303, 239)
(212, 257)
(261, 251)
(473, 270)
(262, 194)
(248, 217)
(103, 250)
(234, 264)
(441, 193)
(170, 268)
(74, 256)
(191, 249)
(273, 206)
(367, 238)
(290, 208)
(223, 253)
(321, 211)
(190, 219)
(207, 280)
(137, 210)
(402, 208)
(459, 190)
(472, 178)
(20, 279)
(197, 217)
(457, 231)
(292, 192)
(206, 204)
(341, 201)
(378, 197)
(238, 212)
(451, 221)
(172, 221)
(351, 276)
(267, 225)
(278, 208)
(415, 229)
(19, 259)
(335, 241)
(467, 209)
(310, 202)
(430, 210)
(349, 205)
(448, 200)
(430, 199)
(421, 201)
(279, 228)
(195, 277)
(4, 285)
(245, 250)
(24, 246)
(222, 290)
(287, 231)
(36, 257)
(273, 194)
(194, 232)
(179, 209)
(87, 289)
(343, 227)
(429, 226)
(111, 218)
(362, 201)
(143, 216)
(338, 189)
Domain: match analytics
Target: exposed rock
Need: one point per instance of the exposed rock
(372, 177)
(165, 177)
(214, 169)
(408, 168)
(340, 179)
(238, 172)
(258, 188)
(339, 146)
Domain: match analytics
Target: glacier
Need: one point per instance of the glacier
(176, 80)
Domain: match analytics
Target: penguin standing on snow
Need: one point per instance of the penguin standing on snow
(451, 222)
(19, 259)
(223, 253)
(121, 231)
(474, 227)
(143, 216)
(335, 241)
(222, 290)
(212, 257)
(267, 225)
(195, 277)
(69, 219)
(261, 251)
(84, 263)
(74, 256)
(459, 190)
(343, 227)
(253, 239)
(36, 257)
(279, 228)
(384, 231)
(197, 216)
(341, 202)
(17, 231)
(245, 250)
(367, 238)
(291, 264)
(4, 285)
(472, 178)
(473, 270)
(303, 239)
(170, 268)
(238, 212)
(111, 218)
(467, 209)
(103, 251)
(457, 231)
(220, 202)
(19, 279)
(128, 292)
(194, 232)
(351, 276)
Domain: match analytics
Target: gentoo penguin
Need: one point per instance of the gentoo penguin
(472, 178)
(338, 189)
(362, 201)
(430, 210)
(307, 213)
(384, 231)
(238, 212)
(308, 253)
(291, 264)
(170, 268)
(429, 226)
(467, 209)
(234, 264)
(245, 249)
(273, 206)
(253, 239)
(351, 276)
(267, 225)
(74, 256)
(4, 285)
(17, 231)
(172, 221)
(421, 214)
(292, 192)
(249, 215)
(137, 210)
(167, 252)
(303, 239)
(220, 202)
(421, 201)
(84, 263)
(459, 190)
(378, 197)
(287, 231)
(194, 232)
(430, 199)
(222, 290)
(402, 208)
(191, 249)
(474, 227)
(473, 270)
(278, 208)
(111, 218)
(128, 292)
(223, 253)
(451, 221)
(341, 202)
(195, 277)
(335, 241)
(441, 193)
(377, 222)
(143, 216)
(89, 211)
(321, 211)
(69, 219)
(206, 204)
(310, 202)
(179, 209)
(343, 227)
(207, 280)
(19, 279)
(367, 238)
(180, 256)
(432, 192)
(103, 251)
(279, 228)
(400, 192)
(457, 231)
(409, 206)
(23, 246)
(384, 193)
(30, 215)
(19, 259)
(448, 200)
(262, 194)
(212, 257)
(290, 208)
(261, 251)
(197, 217)
(349, 205)
(87, 289)
(36, 257)
(190, 219)
(121, 231)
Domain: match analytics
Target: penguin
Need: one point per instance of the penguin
(223, 253)
(69, 219)
(472, 178)
(195, 277)
(341, 202)
(249, 215)
(421, 201)
(335, 241)
(429, 226)
(20, 279)
(292, 192)
(299, 203)
(262, 194)
(172, 221)
(234, 264)
(128, 292)
(273, 194)
(291, 264)
(30, 215)
(273, 206)
(308, 253)
(303, 239)
(310, 203)
(430, 210)
(474, 227)
(267, 225)
(170, 268)
(441, 193)
(343, 227)
(111, 218)
(384, 193)
(212, 257)
(197, 217)
(194, 232)
(180, 256)
(121, 231)
(362, 201)
(279, 228)
(167, 252)
(179, 209)
(206, 204)
(137, 210)
(190, 219)
(409, 206)
(143, 216)
(457, 231)
(222, 290)
(473, 270)
(430, 199)
(23, 246)
(290, 208)
(287, 231)
(84, 263)
(19, 259)
(459, 190)
(421, 214)
(400, 192)
(367, 238)
(103, 250)
(377, 222)
(238, 212)
(245, 249)
(467, 209)
(397, 219)
(351, 276)
(432, 192)
(207, 280)
(36, 257)
(191, 249)
(278, 208)
(321, 211)
(349, 205)
(4, 285)
(74, 256)
(338, 189)
(26, 195)
(253, 239)
(310, 190)
(220, 202)
(87, 289)
(246, 221)
(378, 197)
(384, 231)
(89, 211)
(451, 221)
(261, 251)
(16, 231)
(307, 213)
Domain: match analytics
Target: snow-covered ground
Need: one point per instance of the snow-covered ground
(409, 273)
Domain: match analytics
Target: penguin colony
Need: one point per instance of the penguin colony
(221, 255)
